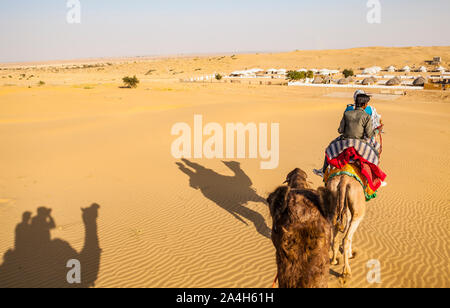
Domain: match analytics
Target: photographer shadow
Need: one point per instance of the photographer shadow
(231, 193)
(38, 261)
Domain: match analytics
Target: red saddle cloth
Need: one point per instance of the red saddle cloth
(374, 175)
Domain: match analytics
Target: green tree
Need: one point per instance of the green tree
(348, 73)
(294, 75)
(131, 82)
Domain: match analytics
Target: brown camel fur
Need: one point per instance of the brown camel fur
(302, 225)
(351, 207)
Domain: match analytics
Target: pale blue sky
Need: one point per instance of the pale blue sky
(32, 30)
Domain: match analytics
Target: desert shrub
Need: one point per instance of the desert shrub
(41, 83)
(219, 77)
(130, 82)
(348, 73)
(294, 75)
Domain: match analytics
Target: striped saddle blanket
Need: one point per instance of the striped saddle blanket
(368, 149)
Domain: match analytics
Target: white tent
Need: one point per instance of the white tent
(324, 72)
(282, 71)
(302, 70)
(377, 69)
(370, 71)
(406, 69)
(236, 73)
(441, 69)
(391, 69)
(272, 71)
(255, 70)
(423, 69)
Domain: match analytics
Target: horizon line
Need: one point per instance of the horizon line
(194, 54)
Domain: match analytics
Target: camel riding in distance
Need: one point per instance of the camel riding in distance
(351, 171)
(306, 222)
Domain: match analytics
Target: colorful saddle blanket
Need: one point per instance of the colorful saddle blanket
(369, 150)
(353, 171)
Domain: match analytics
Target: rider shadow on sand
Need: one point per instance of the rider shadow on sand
(38, 261)
(229, 192)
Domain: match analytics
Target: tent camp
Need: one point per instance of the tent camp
(369, 81)
(423, 69)
(327, 79)
(247, 73)
(255, 70)
(343, 81)
(274, 71)
(238, 74)
(441, 69)
(372, 70)
(406, 69)
(419, 82)
(318, 80)
(394, 82)
(391, 69)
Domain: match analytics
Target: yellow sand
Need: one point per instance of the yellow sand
(81, 139)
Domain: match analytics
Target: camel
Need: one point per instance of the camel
(39, 261)
(351, 208)
(302, 225)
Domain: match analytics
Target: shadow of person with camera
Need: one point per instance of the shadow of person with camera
(37, 260)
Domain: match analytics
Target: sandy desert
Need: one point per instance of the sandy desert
(78, 139)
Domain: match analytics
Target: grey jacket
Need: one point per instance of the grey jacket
(356, 124)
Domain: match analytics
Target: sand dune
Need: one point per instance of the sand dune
(164, 222)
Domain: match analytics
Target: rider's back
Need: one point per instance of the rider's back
(356, 124)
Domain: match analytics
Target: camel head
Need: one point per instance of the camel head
(297, 179)
(233, 165)
(90, 214)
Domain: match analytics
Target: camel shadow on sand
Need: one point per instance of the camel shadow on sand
(38, 261)
(231, 193)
